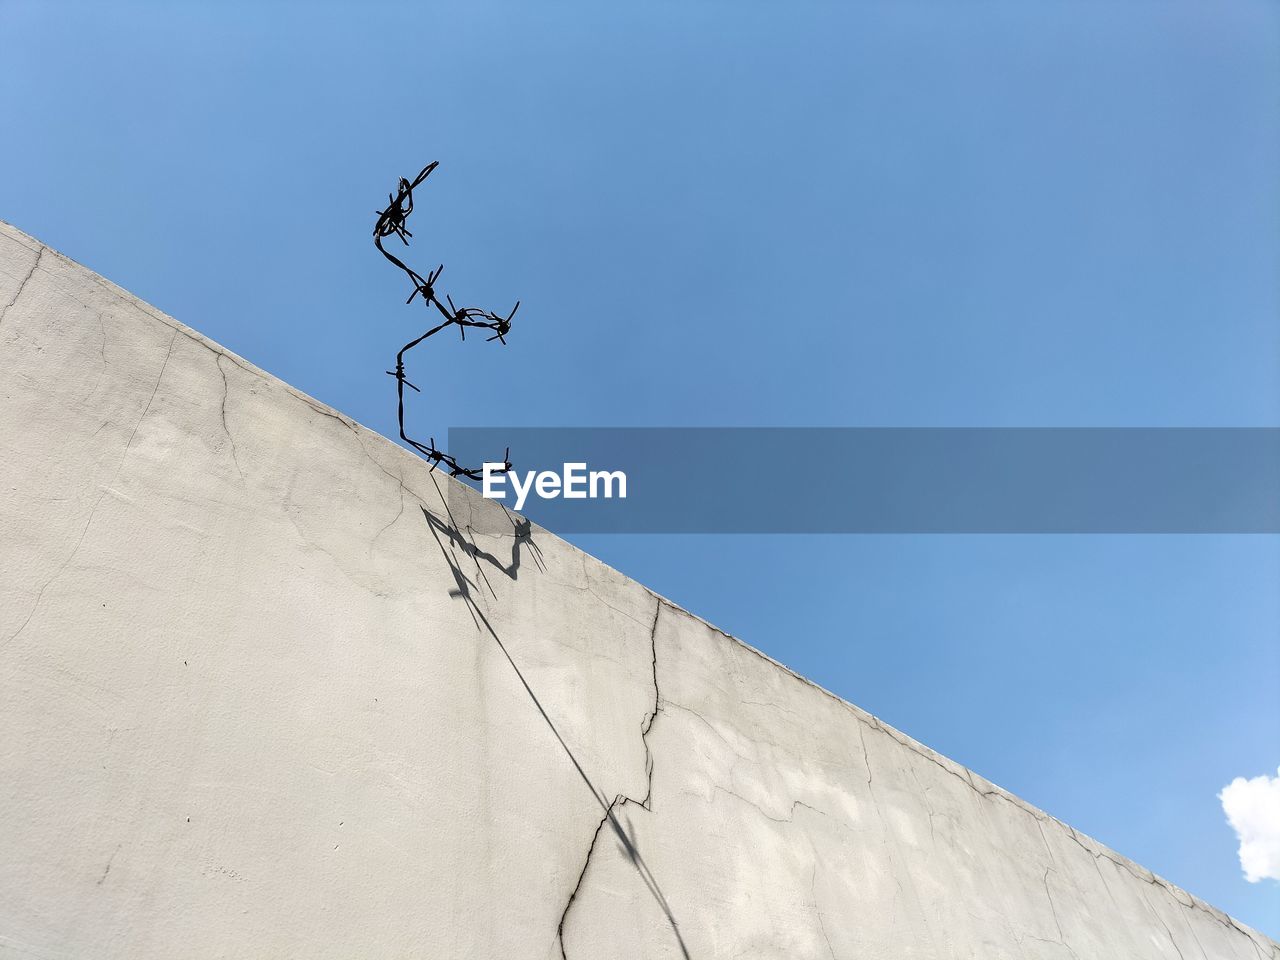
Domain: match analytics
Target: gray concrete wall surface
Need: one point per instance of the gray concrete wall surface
(262, 694)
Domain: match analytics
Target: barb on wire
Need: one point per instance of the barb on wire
(392, 223)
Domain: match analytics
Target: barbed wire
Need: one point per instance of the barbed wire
(392, 223)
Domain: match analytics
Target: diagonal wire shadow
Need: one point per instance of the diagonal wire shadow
(450, 532)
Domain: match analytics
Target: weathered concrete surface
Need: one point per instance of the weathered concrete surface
(261, 696)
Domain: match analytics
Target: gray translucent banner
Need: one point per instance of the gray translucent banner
(897, 480)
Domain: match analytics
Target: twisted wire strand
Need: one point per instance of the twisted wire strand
(392, 222)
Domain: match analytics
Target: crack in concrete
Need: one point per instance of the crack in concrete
(647, 724)
(23, 285)
(671, 704)
(145, 410)
(924, 793)
(791, 816)
(621, 800)
(355, 431)
(93, 511)
(582, 874)
(866, 757)
(1048, 849)
(217, 359)
(1168, 933)
(392, 522)
(589, 588)
(1054, 911)
(817, 910)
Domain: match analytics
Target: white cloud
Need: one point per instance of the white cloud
(1253, 810)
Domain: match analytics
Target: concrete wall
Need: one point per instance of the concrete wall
(262, 696)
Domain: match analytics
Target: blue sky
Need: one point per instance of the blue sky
(763, 214)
